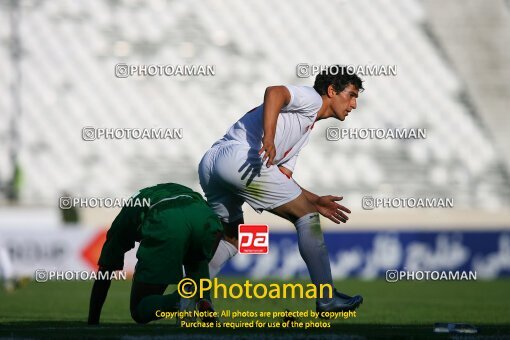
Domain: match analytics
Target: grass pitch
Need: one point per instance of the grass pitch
(391, 310)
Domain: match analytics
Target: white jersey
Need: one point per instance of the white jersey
(293, 127)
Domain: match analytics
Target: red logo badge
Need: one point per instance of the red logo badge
(253, 238)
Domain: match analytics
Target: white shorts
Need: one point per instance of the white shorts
(232, 173)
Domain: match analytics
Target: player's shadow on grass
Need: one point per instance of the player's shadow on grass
(338, 329)
(52, 329)
(54, 324)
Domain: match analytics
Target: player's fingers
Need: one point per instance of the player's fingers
(271, 157)
(266, 149)
(264, 156)
(331, 215)
(334, 219)
(262, 153)
(341, 207)
(344, 216)
(267, 158)
(341, 219)
(337, 198)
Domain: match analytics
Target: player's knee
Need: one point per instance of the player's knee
(136, 318)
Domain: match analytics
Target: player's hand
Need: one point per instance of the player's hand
(269, 151)
(327, 207)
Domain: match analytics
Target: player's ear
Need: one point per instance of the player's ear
(331, 91)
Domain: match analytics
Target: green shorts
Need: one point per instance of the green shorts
(174, 233)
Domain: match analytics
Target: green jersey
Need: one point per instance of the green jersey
(166, 218)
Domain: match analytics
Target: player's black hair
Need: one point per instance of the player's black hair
(338, 76)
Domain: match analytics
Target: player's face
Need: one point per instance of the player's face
(344, 102)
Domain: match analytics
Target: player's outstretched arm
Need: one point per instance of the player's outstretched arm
(275, 98)
(98, 296)
(327, 206)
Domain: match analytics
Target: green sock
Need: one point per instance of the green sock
(147, 308)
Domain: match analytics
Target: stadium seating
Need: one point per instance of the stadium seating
(69, 54)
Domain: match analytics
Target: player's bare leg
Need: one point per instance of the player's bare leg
(314, 252)
(311, 244)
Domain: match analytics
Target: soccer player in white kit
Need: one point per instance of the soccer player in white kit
(254, 161)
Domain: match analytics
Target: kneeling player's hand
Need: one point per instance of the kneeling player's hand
(327, 207)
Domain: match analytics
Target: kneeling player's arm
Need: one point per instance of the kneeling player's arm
(98, 296)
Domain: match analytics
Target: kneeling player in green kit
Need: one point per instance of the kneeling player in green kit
(177, 229)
